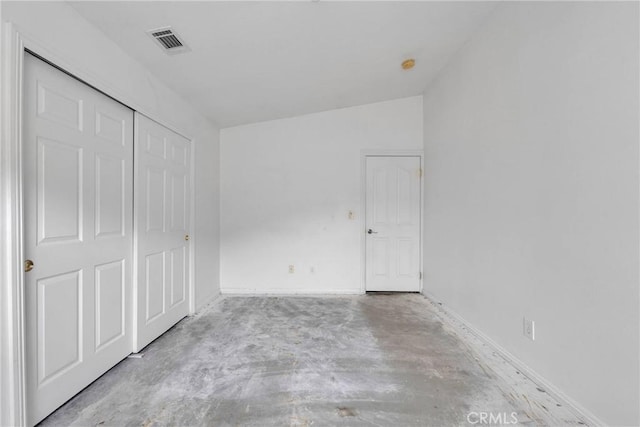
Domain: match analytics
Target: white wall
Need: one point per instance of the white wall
(287, 187)
(531, 186)
(62, 31)
(207, 220)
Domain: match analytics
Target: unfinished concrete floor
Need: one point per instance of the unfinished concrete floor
(385, 360)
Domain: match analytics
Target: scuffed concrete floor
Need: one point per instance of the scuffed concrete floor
(384, 360)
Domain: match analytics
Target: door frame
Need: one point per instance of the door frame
(364, 154)
(15, 42)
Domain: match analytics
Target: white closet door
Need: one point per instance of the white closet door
(163, 200)
(78, 168)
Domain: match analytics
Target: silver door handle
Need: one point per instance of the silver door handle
(370, 231)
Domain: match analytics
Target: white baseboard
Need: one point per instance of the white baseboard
(550, 388)
(210, 300)
(277, 291)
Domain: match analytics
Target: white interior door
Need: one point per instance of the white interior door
(78, 214)
(163, 200)
(393, 223)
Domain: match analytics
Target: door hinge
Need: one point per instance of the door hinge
(420, 173)
(420, 275)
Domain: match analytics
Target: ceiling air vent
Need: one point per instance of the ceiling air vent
(168, 40)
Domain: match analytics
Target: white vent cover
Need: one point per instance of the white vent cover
(168, 40)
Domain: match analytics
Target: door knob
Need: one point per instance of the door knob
(370, 231)
(186, 237)
(28, 265)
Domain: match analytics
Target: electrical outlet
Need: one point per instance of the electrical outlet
(350, 215)
(529, 329)
(292, 269)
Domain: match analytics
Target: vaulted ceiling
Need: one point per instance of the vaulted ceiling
(256, 61)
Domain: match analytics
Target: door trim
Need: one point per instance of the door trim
(13, 409)
(363, 207)
(15, 41)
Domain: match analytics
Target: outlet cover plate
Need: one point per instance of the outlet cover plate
(529, 329)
